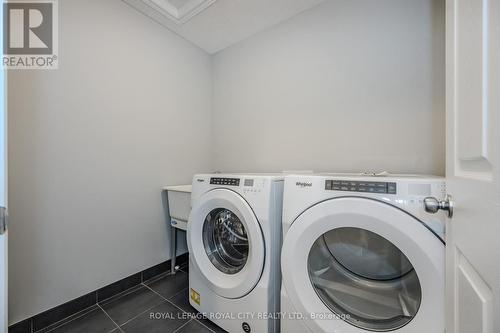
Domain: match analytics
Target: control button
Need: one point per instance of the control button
(360, 186)
(225, 181)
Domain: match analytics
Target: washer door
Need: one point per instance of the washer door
(226, 243)
(357, 264)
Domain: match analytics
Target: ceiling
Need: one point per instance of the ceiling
(216, 24)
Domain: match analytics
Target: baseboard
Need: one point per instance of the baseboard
(54, 315)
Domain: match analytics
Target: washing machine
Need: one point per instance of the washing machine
(360, 254)
(234, 239)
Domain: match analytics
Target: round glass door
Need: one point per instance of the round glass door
(225, 240)
(364, 278)
(226, 244)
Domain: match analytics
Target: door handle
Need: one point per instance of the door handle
(4, 220)
(433, 205)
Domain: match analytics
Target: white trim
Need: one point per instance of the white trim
(179, 15)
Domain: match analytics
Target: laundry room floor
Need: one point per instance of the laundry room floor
(158, 305)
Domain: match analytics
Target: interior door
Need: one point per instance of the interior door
(473, 165)
(3, 194)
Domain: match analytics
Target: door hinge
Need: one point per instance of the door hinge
(4, 220)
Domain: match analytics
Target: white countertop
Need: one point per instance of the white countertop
(178, 188)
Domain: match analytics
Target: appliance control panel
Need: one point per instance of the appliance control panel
(225, 181)
(361, 186)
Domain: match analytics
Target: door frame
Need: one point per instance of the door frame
(4, 320)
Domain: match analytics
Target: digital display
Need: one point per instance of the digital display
(361, 186)
(225, 181)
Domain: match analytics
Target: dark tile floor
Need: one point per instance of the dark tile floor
(158, 305)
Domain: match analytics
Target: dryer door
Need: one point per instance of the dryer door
(226, 243)
(354, 264)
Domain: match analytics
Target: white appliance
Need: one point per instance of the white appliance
(234, 239)
(360, 254)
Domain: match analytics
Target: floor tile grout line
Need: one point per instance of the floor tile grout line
(178, 293)
(135, 317)
(98, 306)
(169, 301)
(116, 329)
(157, 293)
(201, 323)
(134, 287)
(187, 322)
(107, 315)
(83, 312)
(178, 307)
(122, 293)
(63, 321)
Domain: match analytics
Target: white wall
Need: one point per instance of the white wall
(346, 86)
(90, 145)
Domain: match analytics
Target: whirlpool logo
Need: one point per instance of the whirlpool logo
(304, 184)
